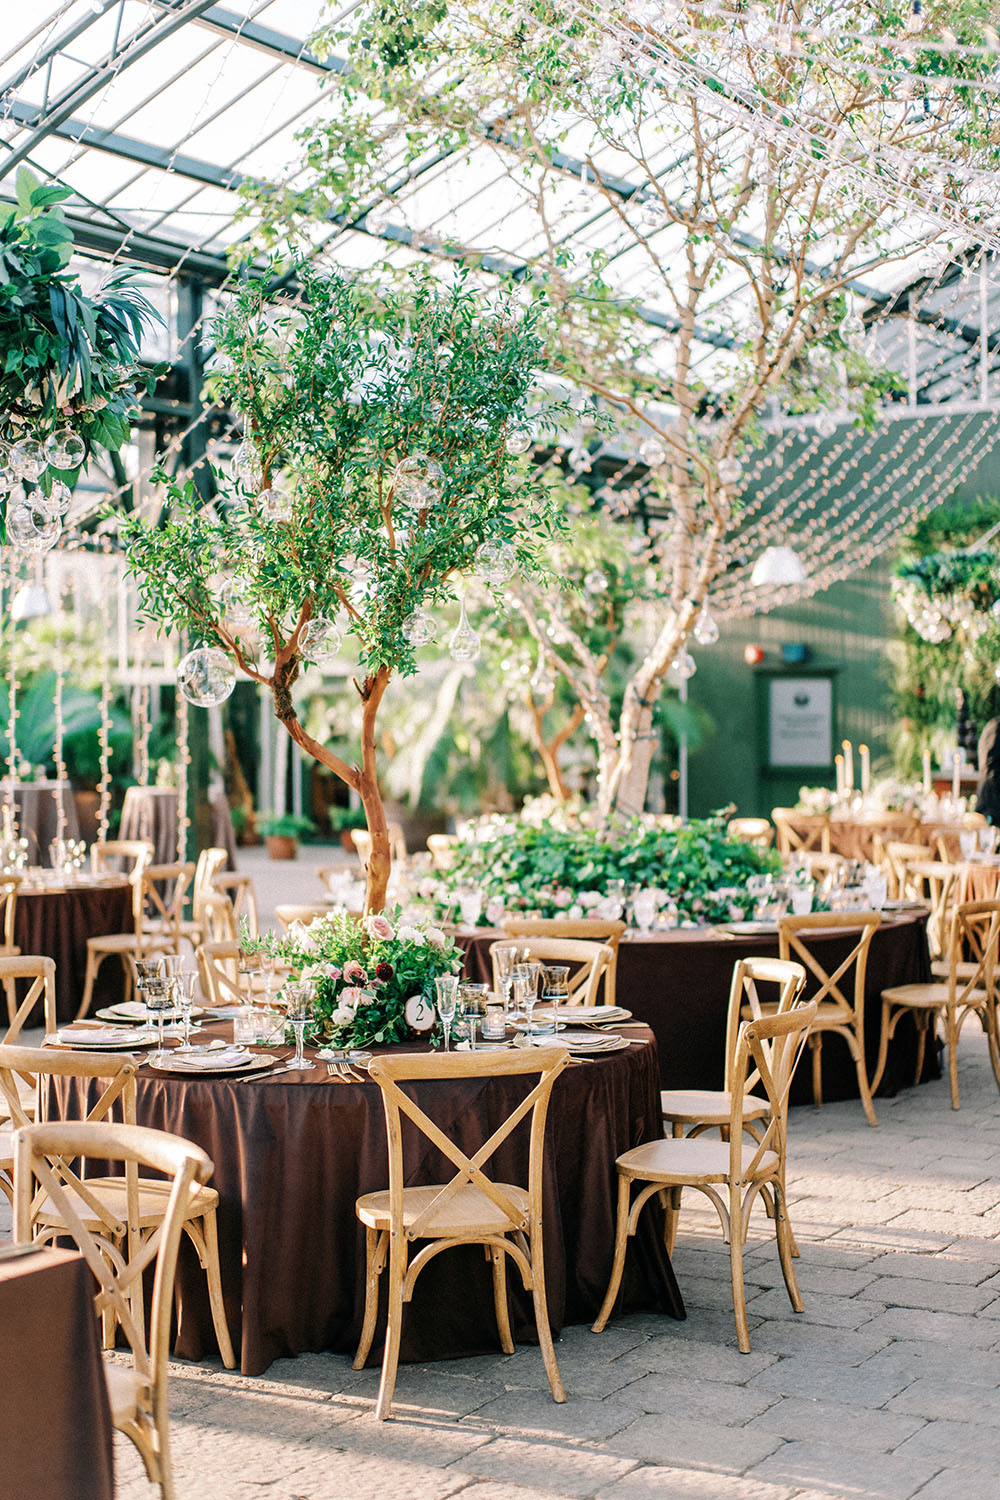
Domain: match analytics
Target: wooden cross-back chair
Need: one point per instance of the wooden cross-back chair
(239, 890)
(839, 1010)
(137, 1396)
(120, 856)
(896, 858)
(969, 989)
(801, 830)
(731, 1173)
(589, 963)
(586, 929)
(158, 925)
(362, 841)
(41, 972)
(211, 862)
(219, 975)
(936, 883)
(947, 835)
(471, 1208)
(109, 1197)
(8, 948)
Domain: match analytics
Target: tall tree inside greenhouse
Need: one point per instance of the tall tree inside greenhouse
(762, 161)
(373, 472)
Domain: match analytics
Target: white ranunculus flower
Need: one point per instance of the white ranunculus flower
(412, 935)
(436, 937)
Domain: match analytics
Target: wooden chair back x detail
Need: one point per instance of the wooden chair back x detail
(585, 929)
(589, 962)
(138, 1397)
(42, 974)
(471, 1208)
(840, 1004)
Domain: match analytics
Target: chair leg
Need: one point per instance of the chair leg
(861, 1069)
(883, 1048)
(375, 1249)
(786, 1242)
(671, 1215)
(542, 1325)
(206, 1242)
(989, 1020)
(11, 990)
(94, 961)
(736, 1271)
(500, 1299)
(618, 1264)
(393, 1329)
(951, 1039)
(816, 1048)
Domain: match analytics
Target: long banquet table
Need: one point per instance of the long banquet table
(292, 1154)
(56, 1420)
(677, 982)
(56, 921)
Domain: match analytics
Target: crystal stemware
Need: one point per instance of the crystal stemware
(526, 990)
(159, 998)
(446, 995)
(504, 961)
(184, 987)
(299, 995)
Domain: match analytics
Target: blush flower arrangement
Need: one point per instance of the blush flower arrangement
(365, 972)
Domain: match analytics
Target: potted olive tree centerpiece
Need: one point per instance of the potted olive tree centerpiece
(374, 471)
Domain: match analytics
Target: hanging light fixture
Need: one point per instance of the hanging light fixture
(777, 567)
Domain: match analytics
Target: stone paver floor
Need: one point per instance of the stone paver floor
(888, 1386)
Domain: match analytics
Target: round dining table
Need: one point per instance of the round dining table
(293, 1152)
(677, 982)
(55, 920)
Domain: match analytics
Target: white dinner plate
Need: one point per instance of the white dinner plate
(583, 1043)
(134, 1010)
(604, 1015)
(107, 1039)
(748, 929)
(220, 1064)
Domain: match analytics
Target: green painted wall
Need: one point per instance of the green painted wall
(846, 627)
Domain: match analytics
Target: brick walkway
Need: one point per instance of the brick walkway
(888, 1386)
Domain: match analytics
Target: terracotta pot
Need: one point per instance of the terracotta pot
(281, 846)
(346, 842)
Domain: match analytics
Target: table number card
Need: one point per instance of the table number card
(419, 1013)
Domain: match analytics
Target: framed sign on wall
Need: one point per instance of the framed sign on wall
(799, 722)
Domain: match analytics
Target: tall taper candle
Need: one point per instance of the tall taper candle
(928, 783)
(866, 769)
(838, 761)
(848, 750)
(956, 774)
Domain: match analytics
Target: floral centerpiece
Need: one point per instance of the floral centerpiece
(562, 867)
(364, 973)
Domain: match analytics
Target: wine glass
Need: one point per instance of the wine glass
(146, 969)
(988, 839)
(184, 985)
(267, 966)
(470, 904)
(446, 994)
(968, 841)
(159, 998)
(472, 1007)
(526, 990)
(505, 959)
(299, 995)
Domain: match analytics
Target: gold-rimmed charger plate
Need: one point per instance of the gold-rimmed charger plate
(260, 1062)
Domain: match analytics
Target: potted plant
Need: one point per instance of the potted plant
(343, 819)
(281, 834)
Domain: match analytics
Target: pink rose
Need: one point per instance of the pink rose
(380, 927)
(354, 972)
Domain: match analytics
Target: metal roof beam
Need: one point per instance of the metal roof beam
(143, 40)
(227, 23)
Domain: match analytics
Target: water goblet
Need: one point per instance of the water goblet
(299, 995)
(472, 1007)
(470, 904)
(184, 987)
(504, 959)
(988, 839)
(968, 842)
(446, 995)
(159, 998)
(645, 905)
(145, 969)
(526, 991)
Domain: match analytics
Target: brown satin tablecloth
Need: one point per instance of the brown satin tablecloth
(56, 1431)
(57, 921)
(293, 1154)
(678, 983)
(37, 807)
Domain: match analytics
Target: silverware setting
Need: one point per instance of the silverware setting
(342, 1072)
(285, 1067)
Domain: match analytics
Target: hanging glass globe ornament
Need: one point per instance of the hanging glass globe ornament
(206, 677)
(31, 529)
(64, 449)
(542, 682)
(852, 330)
(496, 561)
(8, 479)
(57, 502)
(418, 480)
(27, 459)
(275, 505)
(235, 606)
(729, 469)
(650, 215)
(421, 628)
(653, 452)
(684, 665)
(826, 424)
(595, 582)
(706, 629)
(247, 466)
(321, 641)
(518, 441)
(19, 524)
(464, 644)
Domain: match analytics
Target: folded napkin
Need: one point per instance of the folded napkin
(96, 1036)
(213, 1057)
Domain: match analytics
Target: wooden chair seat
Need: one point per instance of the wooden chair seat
(928, 996)
(114, 942)
(470, 1211)
(690, 1158)
(112, 1192)
(964, 969)
(128, 1394)
(705, 1106)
